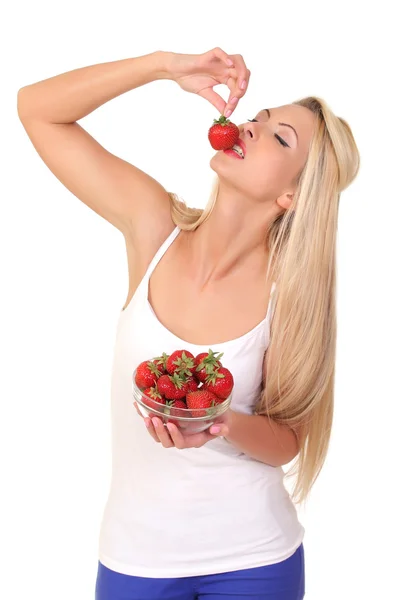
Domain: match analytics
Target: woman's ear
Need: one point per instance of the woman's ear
(285, 200)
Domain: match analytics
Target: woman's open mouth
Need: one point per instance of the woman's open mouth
(235, 151)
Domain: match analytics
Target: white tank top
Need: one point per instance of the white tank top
(181, 513)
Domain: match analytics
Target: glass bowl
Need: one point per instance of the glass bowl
(187, 420)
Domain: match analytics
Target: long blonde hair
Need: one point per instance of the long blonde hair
(301, 242)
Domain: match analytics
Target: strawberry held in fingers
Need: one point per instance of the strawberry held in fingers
(147, 374)
(219, 383)
(223, 134)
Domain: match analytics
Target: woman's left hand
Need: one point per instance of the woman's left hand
(171, 437)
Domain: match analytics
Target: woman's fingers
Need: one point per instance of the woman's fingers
(176, 436)
(162, 433)
(150, 428)
(219, 430)
(170, 436)
(237, 83)
(236, 78)
(137, 409)
(215, 99)
(154, 431)
(223, 56)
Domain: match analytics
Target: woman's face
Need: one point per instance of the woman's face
(274, 153)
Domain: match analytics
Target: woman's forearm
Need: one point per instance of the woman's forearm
(70, 96)
(262, 438)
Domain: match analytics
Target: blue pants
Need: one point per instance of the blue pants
(280, 581)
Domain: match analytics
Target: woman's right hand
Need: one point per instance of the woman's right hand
(199, 73)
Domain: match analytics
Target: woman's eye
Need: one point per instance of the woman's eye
(281, 141)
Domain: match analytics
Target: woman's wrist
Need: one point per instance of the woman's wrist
(166, 61)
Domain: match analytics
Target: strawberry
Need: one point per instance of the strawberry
(175, 410)
(177, 404)
(223, 134)
(206, 363)
(219, 383)
(182, 361)
(161, 362)
(191, 384)
(151, 396)
(173, 387)
(201, 399)
(147, 374)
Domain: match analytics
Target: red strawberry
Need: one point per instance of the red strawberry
(201, 399)
(172, 387)
(151, 397)
(191, 384)
(147, 374)
(223, 134)
(219, 383)
(177, 404)
(206, 363)
(161, 362)
(182, 361)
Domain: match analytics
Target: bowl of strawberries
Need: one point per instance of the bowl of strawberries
(193, 392)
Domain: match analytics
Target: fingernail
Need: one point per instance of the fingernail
(229, 62)
(228, 113)
(243, 84)
(215, 429)
(234, 100)
(155, 423)
(147, 423)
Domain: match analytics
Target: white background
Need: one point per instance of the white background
(64, 273)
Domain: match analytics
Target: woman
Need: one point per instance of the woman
(252, 276)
